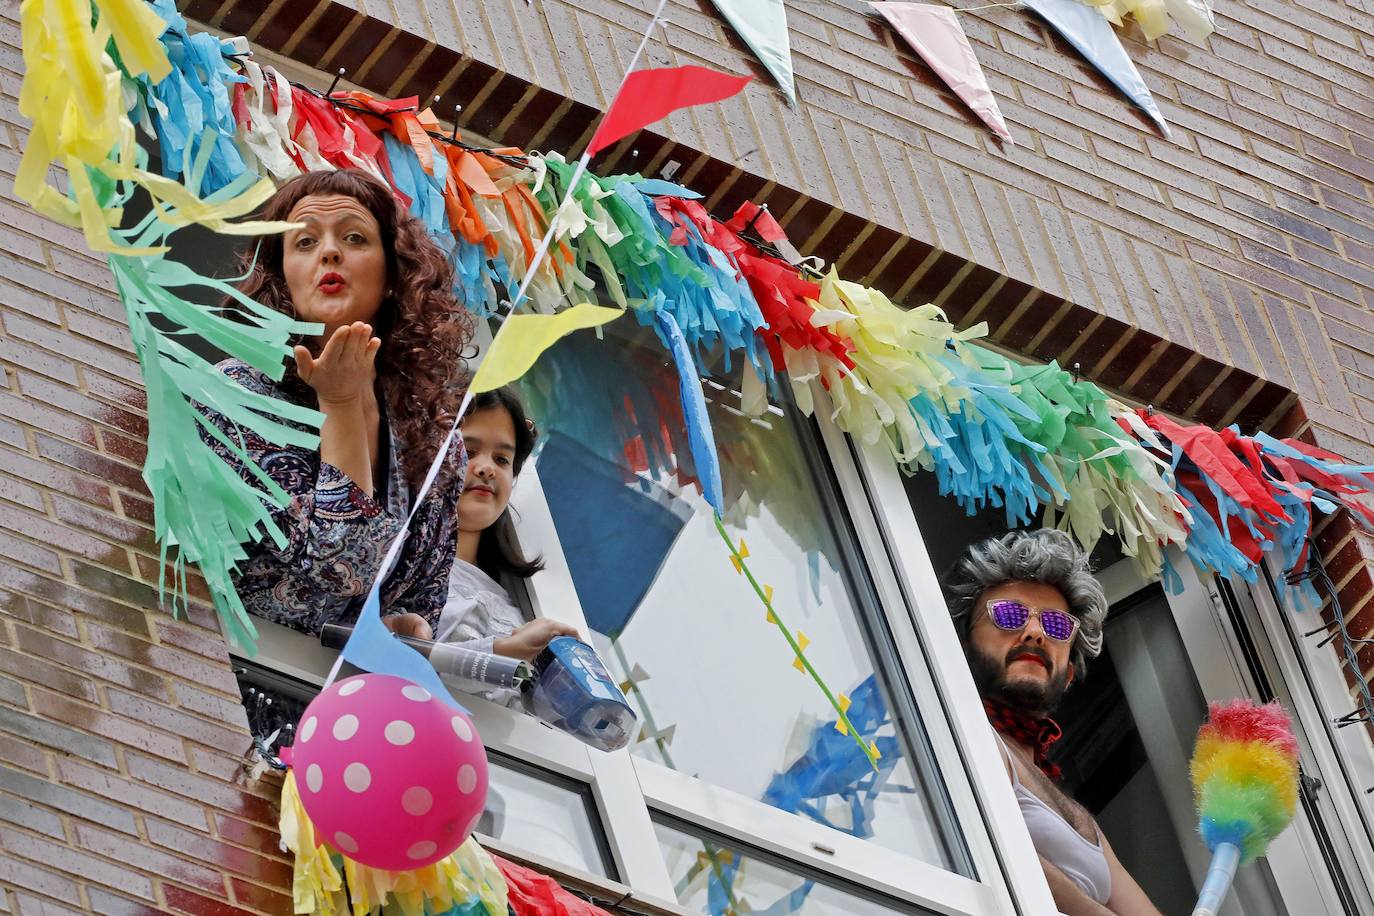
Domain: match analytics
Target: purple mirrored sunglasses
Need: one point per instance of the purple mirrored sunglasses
(1008, 614)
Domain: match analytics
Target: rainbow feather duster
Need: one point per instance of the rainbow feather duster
(1245, 785)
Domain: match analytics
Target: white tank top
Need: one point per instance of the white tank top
(1083, 862)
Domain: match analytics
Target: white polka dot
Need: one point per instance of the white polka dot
(399, 733)
(413, 692)
(314, 777)
(467, 779)
(416, 800)
(345, 727)
(345, 842)
(357, 777)
(421, 850)
(461, 728)
(352, 687)
(308, 729)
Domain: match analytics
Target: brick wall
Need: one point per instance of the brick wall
(120, 728)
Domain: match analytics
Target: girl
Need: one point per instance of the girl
(499, 438)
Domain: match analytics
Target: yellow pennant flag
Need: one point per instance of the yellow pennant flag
(523, 337)
(802, 643)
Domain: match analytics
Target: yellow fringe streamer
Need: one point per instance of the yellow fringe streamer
(467, 875)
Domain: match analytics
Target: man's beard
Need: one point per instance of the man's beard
(1037, 698)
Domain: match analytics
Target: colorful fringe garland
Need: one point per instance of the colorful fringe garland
(996, 433)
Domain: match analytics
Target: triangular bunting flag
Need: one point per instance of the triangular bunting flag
(802, 643)
(651, 95)
(935, 34)
(1085, 29)
(520, 341)
(763, 26)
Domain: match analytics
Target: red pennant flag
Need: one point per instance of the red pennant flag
(650, 95)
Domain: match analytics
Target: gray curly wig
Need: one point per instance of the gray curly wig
(1046, 556)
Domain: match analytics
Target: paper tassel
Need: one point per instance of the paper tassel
(1193, 16)
(1090, 34)
(936, 34)
(324, 880)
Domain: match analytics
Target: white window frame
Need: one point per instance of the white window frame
(976, 782)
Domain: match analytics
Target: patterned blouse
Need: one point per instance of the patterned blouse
(336, 535)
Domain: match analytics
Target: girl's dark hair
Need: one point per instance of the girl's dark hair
(498, 551)
(422, 327)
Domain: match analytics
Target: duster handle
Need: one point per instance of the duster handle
(1225, 858)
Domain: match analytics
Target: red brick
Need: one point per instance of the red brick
(34, 670)
(57, 478)
(91, 463)
(128, 794)
(174, 721)
(107, 904)
(145, 858)
(162, 658)
(258, 837)
(31, 412)
(207, 791)
(184, 901)
(275, 872)
(109, 670)
(27, 552)
(64, 858)
(92, 719)
(259, 897)
(36, 878)
(22, 607)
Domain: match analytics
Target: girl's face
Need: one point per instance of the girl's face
(335, 267)
(489, 436)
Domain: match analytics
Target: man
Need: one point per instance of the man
(1029, 614)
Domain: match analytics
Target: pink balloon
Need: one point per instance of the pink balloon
(390, 775)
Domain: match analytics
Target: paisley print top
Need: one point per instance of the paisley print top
(336, 535)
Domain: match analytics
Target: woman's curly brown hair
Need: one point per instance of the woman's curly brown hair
(422, 326)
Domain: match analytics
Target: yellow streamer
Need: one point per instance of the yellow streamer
(523, 337)
(73, 94)
(318, 886)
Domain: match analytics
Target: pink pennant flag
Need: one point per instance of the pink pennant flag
(935, 33)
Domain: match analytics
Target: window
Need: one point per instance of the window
(712, 877)
(545, 814)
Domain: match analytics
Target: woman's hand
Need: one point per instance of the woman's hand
(531, 638)
(343, 372)
(412, 625)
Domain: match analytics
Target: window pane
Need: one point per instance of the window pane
(713, 878)
(713, 681)
(533, 811)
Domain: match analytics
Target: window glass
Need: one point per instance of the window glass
(713, 878)
(712, 680)
(536, 812)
